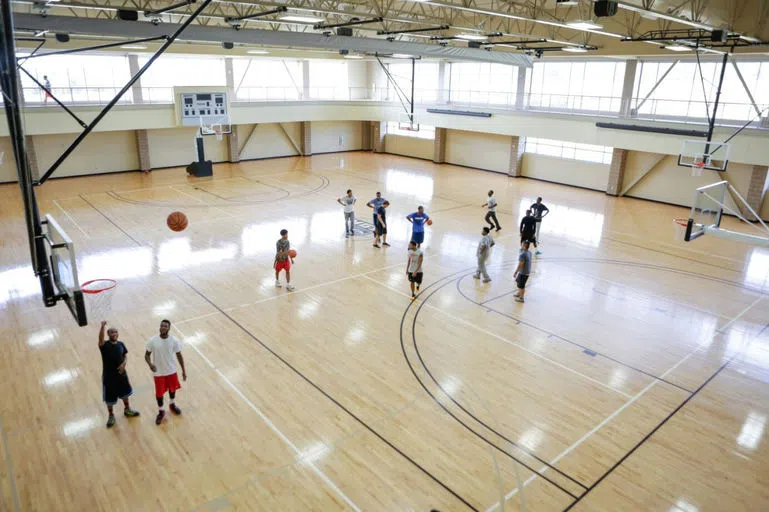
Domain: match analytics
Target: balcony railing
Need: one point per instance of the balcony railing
(682, 111)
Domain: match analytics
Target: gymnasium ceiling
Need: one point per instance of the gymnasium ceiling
(515, 20)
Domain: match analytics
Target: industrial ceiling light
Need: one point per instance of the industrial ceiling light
(565, 3)
(354, 57)
(677, 48)
(301, 19)
(402, 56)
(258, 52)
(584, 25)
(574, 49)
(472, 37)
(133, 47)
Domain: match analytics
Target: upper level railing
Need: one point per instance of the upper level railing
(685, 111)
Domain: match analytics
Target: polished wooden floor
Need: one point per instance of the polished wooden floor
(635, 376)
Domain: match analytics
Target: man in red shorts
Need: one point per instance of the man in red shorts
(159, 354)
(282, 260)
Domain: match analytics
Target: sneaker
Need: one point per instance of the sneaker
(159, 418)
(385, 244)
(347, 235)
(413, 297)
(175, 409)
(519, 299)
(130, 413)
(378, 247)
(277, 284)
(487, 280)
(290, 287)
(517, 294)
(476, 276)
(111, 421)
(538, 252)
(418, 286)
(499, 229)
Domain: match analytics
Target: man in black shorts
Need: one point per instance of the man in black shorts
(522, 271)
(380, 227)
(114, 379)
(529, 228)
(414, 267)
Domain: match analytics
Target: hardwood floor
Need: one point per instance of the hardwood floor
(635, 376)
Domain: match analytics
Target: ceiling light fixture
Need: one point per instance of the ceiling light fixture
(472, 37)
(566, 2)
(258, 52)
(574, 49)
(677, 48)
(354, 57)
(402, 56)
(301, 19)
(133, 47)
(584, 25)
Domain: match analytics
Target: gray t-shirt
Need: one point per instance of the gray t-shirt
(525, 257)
(348, 203)
(488, 243)
(282, 246)
(492, 204)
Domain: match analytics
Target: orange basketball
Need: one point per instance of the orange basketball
(292, 253)
(177, 221)
(429, 222)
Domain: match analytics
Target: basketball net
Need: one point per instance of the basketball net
(98, 294)
(679, 229)
(697, 168)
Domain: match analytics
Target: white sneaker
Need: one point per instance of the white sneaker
(290, 287)
(517, 294)
(519, 299)
(277, 284)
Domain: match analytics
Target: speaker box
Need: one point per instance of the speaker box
(473, 44)
(719, 36)
(605, 8)
(62, 38)
(344, 31)
(228, 46)
(126, 15)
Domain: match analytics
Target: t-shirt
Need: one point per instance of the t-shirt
(419, 220)
(377, 202)
(492, 204)
(112, 355)
(380, 210)
(528, 224)
(282, 246)
(488, 243)
(525, 257)
(163, 352)
(348, 203)
(538, 210)
(414, 265)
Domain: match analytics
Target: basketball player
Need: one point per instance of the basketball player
(528, 229)
(482, 253)
(414, 267)
(380, 225)
(418, 219)
(540, 212)
(47, 84)
(348, 202)
(282, 260)
(522, 271)
(159, 354)
(491, 205)
(376, 203)
(114, 379)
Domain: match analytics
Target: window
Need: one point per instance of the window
(261, 79)
(425, 78)
(569, 150)
(177, 70)
(475, 82)
(328, 80)
(424, 132)
(576, 85)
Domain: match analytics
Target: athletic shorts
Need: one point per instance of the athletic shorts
(283, 265)
(115, 388)
(521, 280)
(527, 236)
(417, 279)
(380, 229)
(418, 237)
(165, 383)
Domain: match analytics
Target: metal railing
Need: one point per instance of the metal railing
(683, 111)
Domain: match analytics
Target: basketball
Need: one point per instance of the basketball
(291, 253)
(177, 221)
(429, 222)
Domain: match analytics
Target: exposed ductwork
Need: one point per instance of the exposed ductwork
(282, 39)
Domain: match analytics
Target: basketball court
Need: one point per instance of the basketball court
(634, 377)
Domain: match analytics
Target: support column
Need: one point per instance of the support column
(133, 68)
(378, 132)
(233, 145)
(305, 132)
(627, 87)
(229, 75)
(439, 146)
(520, 91)
(34, 168)
(143, 149)
(305, 80)
(443, 83)
(517, 149)
(756, 190)
(616, 172)
(366, 140)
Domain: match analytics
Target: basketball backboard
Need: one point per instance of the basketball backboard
(61, 254)
(704, 155)
(408, 122)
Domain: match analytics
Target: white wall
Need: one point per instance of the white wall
(100, 152)
(8, 166)
(268, 140)
(570, 172)
(359, 79)
(326, 136)
(409, 146)
(480, 150)
(176, 147)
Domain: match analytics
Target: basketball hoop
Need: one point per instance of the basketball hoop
(219, 134)
(99, 294)
(679, 229)
(697, 168)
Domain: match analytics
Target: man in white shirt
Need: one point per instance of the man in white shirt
(491, 205)
(482, 253)
(159, 354)
(414, 267)
(348, 202)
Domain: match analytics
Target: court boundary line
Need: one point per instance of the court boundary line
(15, 499)
(287, 364)
(267, 421)
(71, 219)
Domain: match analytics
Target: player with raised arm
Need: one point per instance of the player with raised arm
(114, 379)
